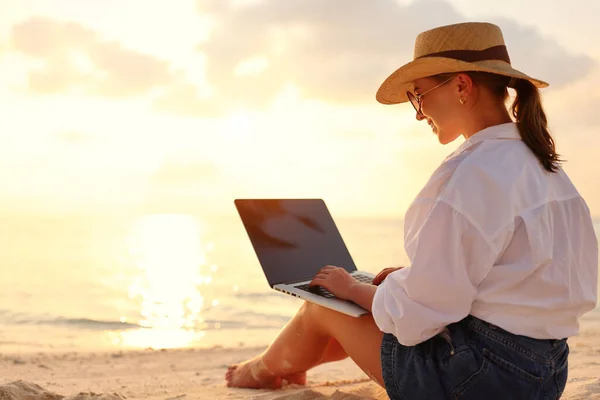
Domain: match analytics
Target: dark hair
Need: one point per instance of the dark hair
(528, 112)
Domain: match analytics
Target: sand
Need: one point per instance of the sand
(198, 374)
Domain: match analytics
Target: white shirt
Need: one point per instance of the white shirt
(494, 235)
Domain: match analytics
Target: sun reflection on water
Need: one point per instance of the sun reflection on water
(169, 253)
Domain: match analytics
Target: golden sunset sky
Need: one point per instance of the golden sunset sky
(116, 106)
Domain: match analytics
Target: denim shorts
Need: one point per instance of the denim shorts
(475, 360)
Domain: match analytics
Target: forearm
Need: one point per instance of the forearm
(363, 294)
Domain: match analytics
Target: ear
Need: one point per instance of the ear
(465, 84)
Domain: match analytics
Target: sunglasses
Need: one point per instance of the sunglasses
(416, 99)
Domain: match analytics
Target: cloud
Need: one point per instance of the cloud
(337, 51)
(573, 111)
(542, 57)
(75, 57)
(341, 50)
(184, 99)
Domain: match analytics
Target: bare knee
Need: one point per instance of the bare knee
(324, 319)
(315, 312)
(317, 317)
(308, 311)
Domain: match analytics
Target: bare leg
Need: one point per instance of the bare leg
(315, 335)
(333, 352)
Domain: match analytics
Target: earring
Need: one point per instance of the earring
(462, 101)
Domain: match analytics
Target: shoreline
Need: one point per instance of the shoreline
(198, 373)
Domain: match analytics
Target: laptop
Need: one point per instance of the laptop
(295, 238)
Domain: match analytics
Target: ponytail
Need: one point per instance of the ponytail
(533, 125)
(527, 110)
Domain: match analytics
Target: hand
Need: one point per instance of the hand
(383, 274)
(335, 279)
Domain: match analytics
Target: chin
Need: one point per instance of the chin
(446, 139)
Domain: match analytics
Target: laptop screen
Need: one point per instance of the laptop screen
(293, 238)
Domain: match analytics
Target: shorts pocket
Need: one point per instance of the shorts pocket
(498, 379)
(519, 372)
(464, 390)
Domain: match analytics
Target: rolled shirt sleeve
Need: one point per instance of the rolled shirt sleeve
(449, 258)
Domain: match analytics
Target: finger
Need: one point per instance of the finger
(379, 277)
(383, 272)
(317, 280)
(322, 274)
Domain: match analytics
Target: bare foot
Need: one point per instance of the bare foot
(254, 374)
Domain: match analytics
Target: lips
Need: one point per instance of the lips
(431, 125)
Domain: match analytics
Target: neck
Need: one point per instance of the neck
(484, 117)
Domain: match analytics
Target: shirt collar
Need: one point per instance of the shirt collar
(509, 130)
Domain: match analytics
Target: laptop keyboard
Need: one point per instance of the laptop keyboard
(318, 290)
(363, 278)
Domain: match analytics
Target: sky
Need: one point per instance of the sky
(180, 107)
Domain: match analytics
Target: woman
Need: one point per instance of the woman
(504, 259)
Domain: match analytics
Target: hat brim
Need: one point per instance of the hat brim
(393, 89)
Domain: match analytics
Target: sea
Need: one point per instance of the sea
(160, 281)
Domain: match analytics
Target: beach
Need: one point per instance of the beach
(195, 373)
(135, 131)
(157, 307)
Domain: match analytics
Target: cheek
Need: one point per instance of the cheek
(445, 119)
(437, 110)
(442, 117)
(448, 125)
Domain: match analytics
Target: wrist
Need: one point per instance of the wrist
(362, 294)
(354, 291)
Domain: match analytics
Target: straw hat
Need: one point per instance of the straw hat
(472, 46)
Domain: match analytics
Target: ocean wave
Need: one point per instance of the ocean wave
(266, 322)
(85, 323)
(95, 324)
(11, 317)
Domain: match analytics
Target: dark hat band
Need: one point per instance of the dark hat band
(492, 53)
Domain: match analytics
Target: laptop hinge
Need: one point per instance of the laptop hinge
(293, 282)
